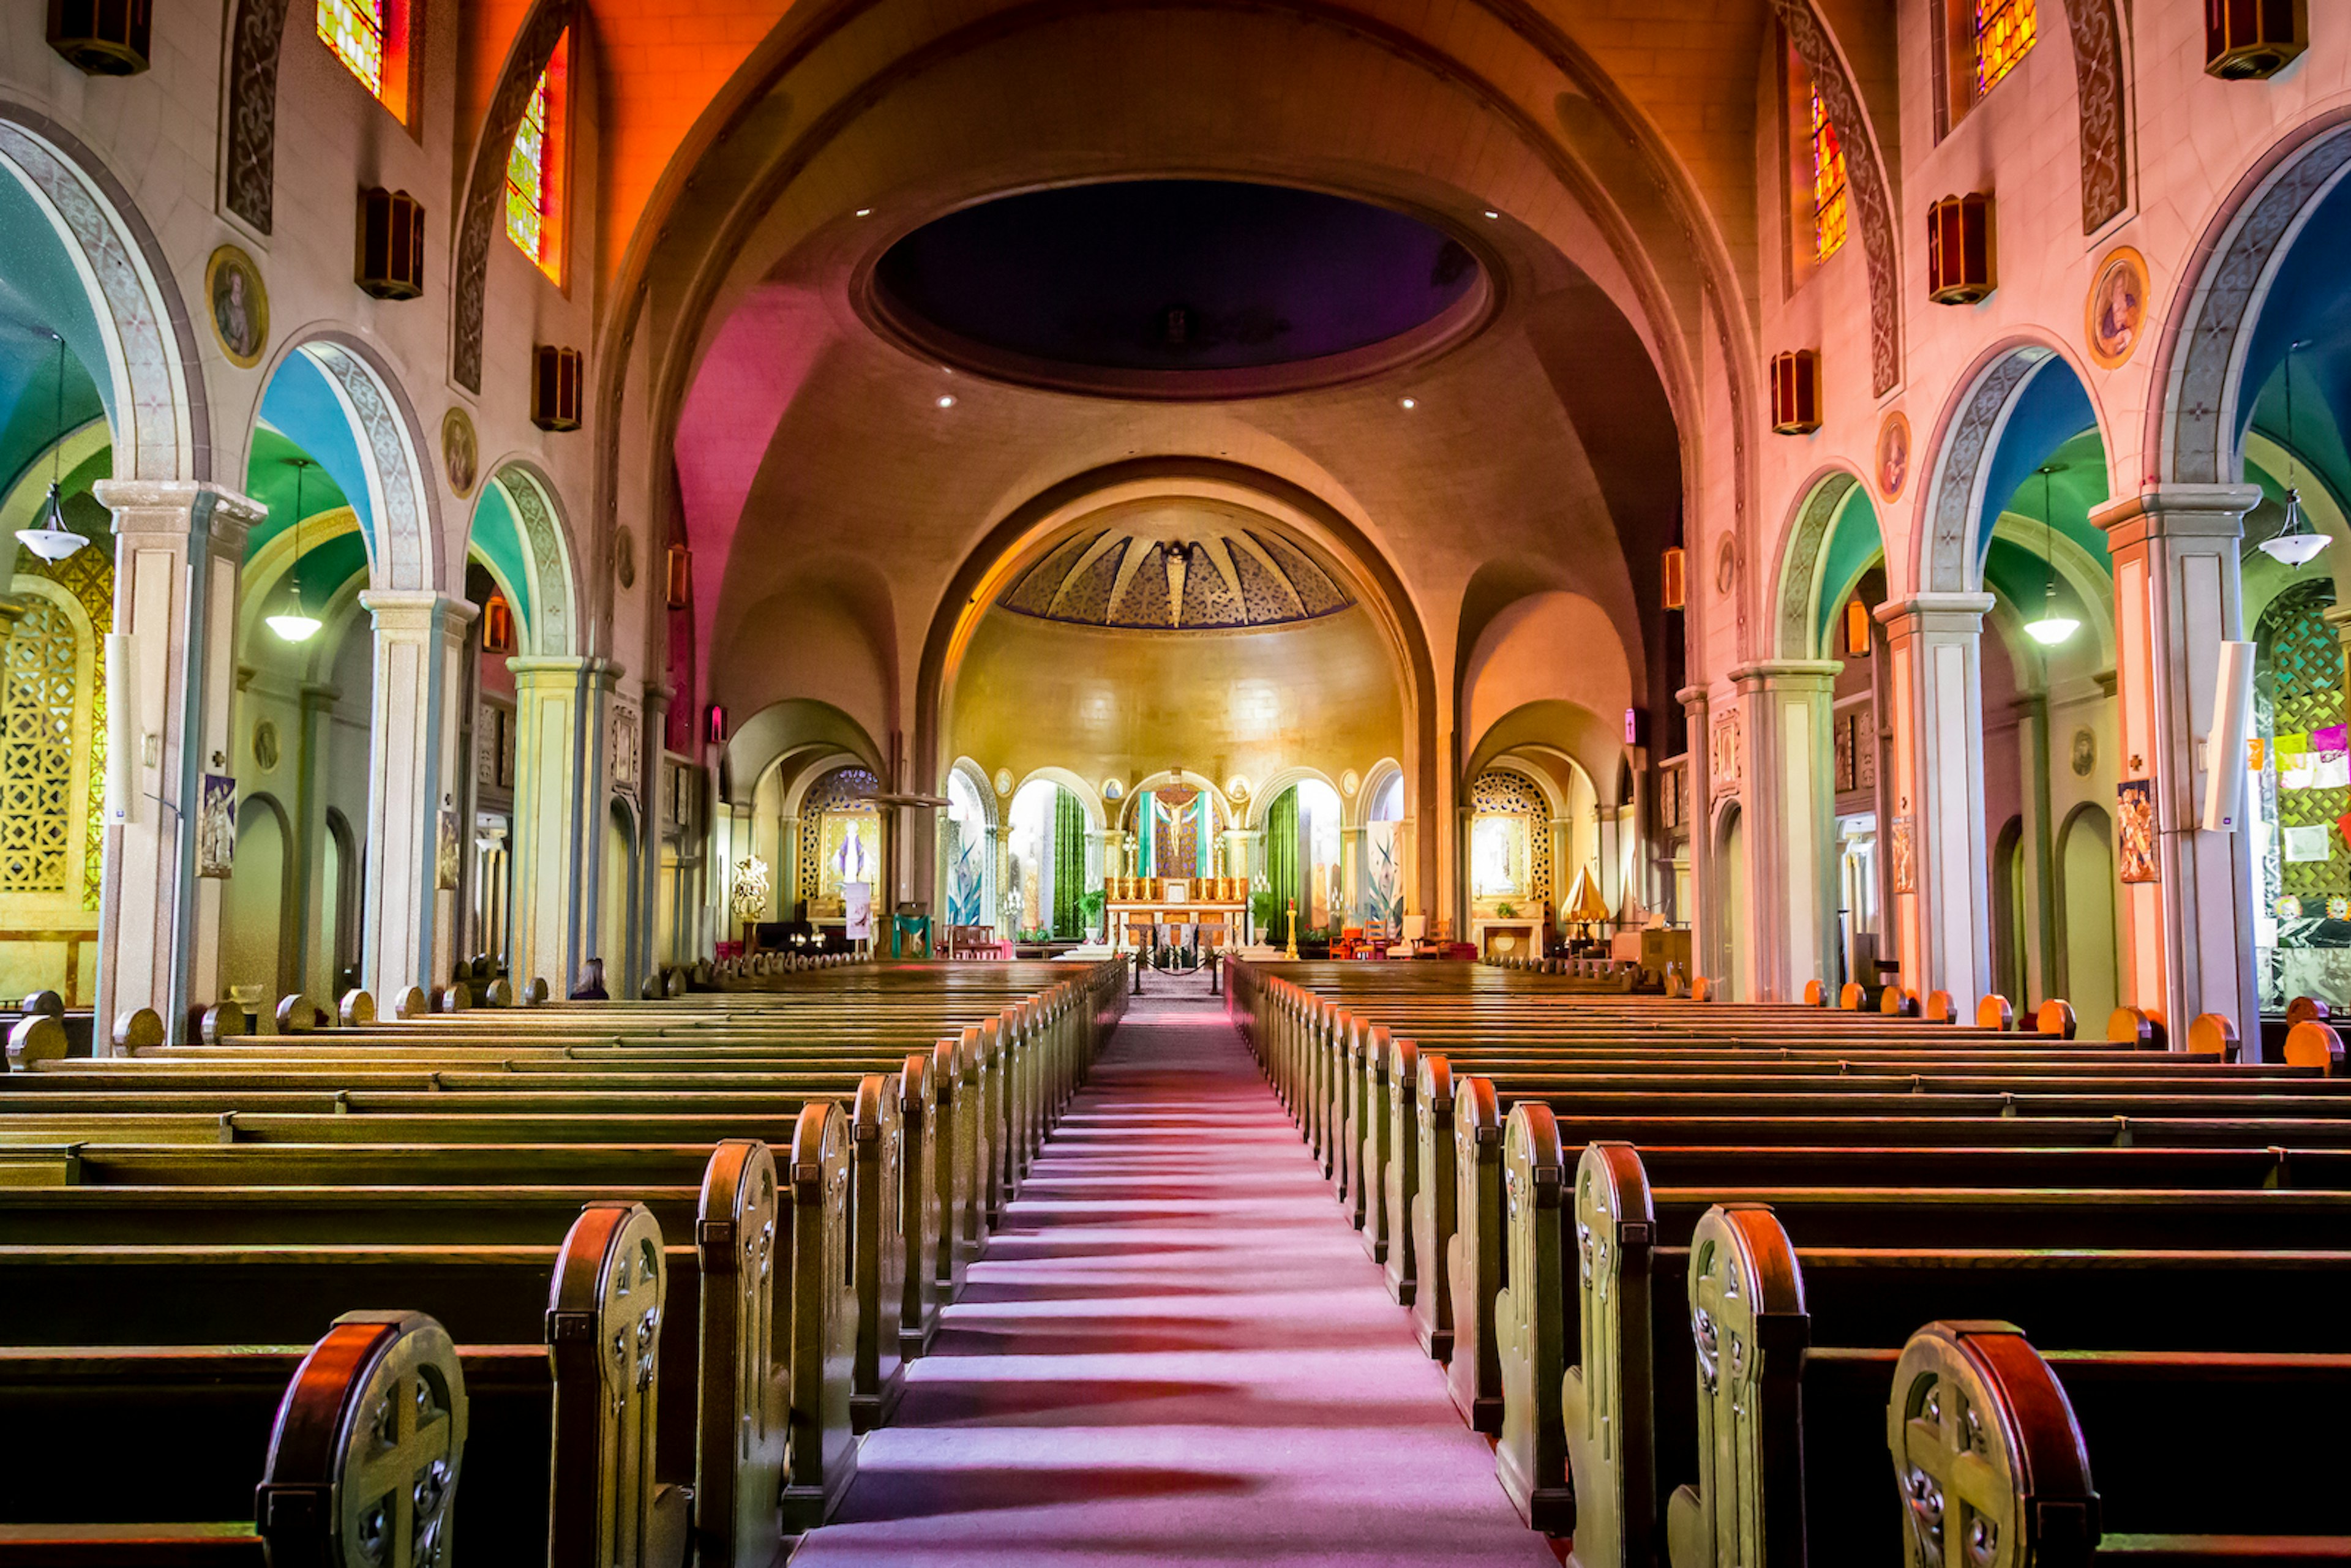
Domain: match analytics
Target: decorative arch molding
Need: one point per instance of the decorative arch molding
(160, 424)
(1089, 798)
(545, 535)
(2099, 83)
(402, 552)
(1800, 559)
(1966, 442)
(991, 813)
(1263, 796)
(782, 728)
(1221, 808)
(817, 766)
(1865, 175)
(1358, 812)
(249, 163)
(485, 181)
(2193, 426)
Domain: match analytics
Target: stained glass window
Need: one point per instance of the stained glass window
(526, 178)
(354, 30)
(2005, 31)
(1829, 203)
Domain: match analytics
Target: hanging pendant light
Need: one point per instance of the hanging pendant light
(2051, 628)
(52, 540)
(297, 625)
(2295, 544)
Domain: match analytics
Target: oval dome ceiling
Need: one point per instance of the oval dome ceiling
(1176, 574)
(1179, 287)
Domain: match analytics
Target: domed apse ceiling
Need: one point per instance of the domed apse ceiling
(1179, 287)
(1177, 572)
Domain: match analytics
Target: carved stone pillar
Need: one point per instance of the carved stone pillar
(653, 812)
(1697, 790)
(2037, 924)
(413, 759)
(1791, 822)
(2187, 935)
(314, 936)
(555, 700)
(784, 876)
(179, 549)
(1942, 907)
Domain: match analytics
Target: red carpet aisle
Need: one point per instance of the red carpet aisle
(1176, 1351)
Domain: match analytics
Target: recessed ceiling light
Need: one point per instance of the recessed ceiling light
(1408, 402)
(868, 211)
(1489, 212)
(946, 400)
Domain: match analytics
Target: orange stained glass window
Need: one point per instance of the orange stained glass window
(2005, 31)
(354, 30)
(1829, 202)
(534, 208)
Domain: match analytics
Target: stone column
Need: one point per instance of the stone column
(2037, 839)
(179, 550)
(313, 953)
(653, 731)
(1563, 865)
(784, 876)
(553, 727)
(1698, 816)
(1790, 821)
(1351, 877)
(1943, 919)
(411, 930)
(2187, 936)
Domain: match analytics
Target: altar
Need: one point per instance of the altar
(1135, 903)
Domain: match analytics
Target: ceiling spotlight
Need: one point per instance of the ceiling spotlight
(865, 211)
(946, 400)
(1407, 403)
(1492, 213)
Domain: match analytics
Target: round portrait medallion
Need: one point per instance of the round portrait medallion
(1893, 455)
(460, 452)
(240, 306)
(2115, 315)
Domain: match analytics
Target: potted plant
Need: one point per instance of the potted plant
(1090, 909)
(1506, 910)
(1261, 914)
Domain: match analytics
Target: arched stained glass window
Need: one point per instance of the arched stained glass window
(1830, 205)
(370, 37)
(2005, 32)
(534, 165)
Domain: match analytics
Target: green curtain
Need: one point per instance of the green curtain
(1069, 862)
(1282, 865)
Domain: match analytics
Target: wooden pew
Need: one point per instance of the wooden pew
(354, 1446)
(2073, 1456)
(1649, 1400)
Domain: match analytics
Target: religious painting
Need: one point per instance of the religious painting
(1905, 861)
(750, 895)
(1847, 739)
(1382, 877)
(1726, 564)
(240, 307)
(2135, 827)
(265, 750)
(1497, 856)
(216, 826)
(460, 452)
(1726, 757)
(1893, 455)
(2117, 311)
(449, 851)
(2085, 752)
(857, 910)
(1176, 829)
(852, 845)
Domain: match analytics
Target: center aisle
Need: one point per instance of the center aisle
(1175, 1349)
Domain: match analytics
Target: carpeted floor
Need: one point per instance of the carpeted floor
(1176, 1351)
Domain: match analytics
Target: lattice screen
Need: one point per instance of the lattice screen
(1505, 789)
(2299, 675)
(37, 751)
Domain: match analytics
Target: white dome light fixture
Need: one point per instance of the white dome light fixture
(2295, 544)
(297, 625)
(52, 540)
(2051, 629)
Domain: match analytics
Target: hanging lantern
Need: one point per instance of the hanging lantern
(1796, 392)
(2245, 40)
(555, 388)
(297, 624)
(1856, 628)
(391, 243)
(102, 37)
(498, 626)
(1675, 590)
(52, 540)
(1959, 249)
(681, 576)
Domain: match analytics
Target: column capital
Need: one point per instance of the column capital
(313, 695)
(1774, 675)
(171, 506)
(1693, 698)
(417, 610)
(1960, 613)
(2190, 511)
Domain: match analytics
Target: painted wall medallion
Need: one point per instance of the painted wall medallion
(216, 826)
(1906, 863)
(1112, 789)
(1349, 782)
(265, 745)
(624, 556)
(240, 306)
(1893, 454)
(461, 453)
(1236, 787)
(2135, 829)
(1004, 781)
(2115, 316)
(2085, 752)
(1726, 565)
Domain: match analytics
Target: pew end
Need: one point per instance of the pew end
(1993, 1012)
(2137, 1028)
(2213, 1037)
(2055, 1020)
(2312, 1043)
(1941, 1007)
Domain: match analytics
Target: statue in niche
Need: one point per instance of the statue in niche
(852, 861)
